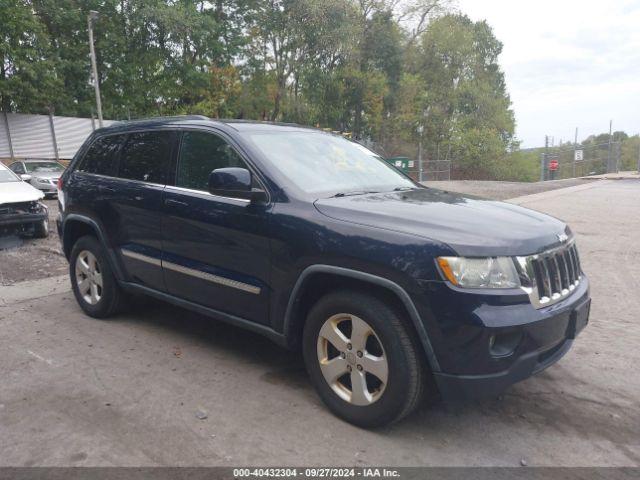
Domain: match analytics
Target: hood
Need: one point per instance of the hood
(14, 192)
(472, 226)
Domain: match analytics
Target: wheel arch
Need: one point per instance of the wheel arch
(76, 226)
(317, 280)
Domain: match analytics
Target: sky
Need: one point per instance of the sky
(568, 64)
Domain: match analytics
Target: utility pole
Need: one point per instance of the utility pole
(575, 149)
(420, 131)
(6, 125)
(609, 149)
(93, 15)
(545, 156)
(639, 156)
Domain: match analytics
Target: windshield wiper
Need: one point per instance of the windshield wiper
(350, 194)
(402, 189)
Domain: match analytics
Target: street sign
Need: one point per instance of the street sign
(579, 155)
(553, 165)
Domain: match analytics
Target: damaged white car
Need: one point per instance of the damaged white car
(21, 209)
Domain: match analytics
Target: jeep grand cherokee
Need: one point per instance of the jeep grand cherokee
(393, 291)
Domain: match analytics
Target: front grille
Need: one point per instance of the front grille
(550, 276)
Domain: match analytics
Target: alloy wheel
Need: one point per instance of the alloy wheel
(352, 359)
(89, 277)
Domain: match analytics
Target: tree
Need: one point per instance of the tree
(375, 68)
(28, 81)
(463, 103)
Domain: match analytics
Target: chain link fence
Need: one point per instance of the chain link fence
(580, 160)
(432, 170)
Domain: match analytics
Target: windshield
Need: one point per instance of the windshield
(7, 176)
(33, 167)
(321, 163)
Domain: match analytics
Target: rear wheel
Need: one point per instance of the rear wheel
(94, 285)
(363, 359)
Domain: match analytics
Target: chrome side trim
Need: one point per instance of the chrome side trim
(143, 258)
(205, 193)
(227, 282)
(212, 278)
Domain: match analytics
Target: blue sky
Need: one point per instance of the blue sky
(568, 64)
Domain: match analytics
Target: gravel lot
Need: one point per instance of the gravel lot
(135, 391)
(30, 258)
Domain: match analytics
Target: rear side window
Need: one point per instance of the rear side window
(200, 154)
(100, 158)
(146, 156)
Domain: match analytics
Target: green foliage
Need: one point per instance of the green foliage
(630, 154)
(350, 65)
(27, 78)
(462, 101)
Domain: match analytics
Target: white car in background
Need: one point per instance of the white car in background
(21, 209)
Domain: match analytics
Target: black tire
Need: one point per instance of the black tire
(408, 371)
(112, 298)
(41, 229)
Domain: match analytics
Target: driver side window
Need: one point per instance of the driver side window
(200, 154)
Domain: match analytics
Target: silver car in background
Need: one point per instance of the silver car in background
(41, 174)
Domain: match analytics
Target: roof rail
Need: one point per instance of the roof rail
(167, 118)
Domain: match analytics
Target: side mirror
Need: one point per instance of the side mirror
(25, 177)
(234, 182)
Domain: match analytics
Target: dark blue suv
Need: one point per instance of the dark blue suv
(393, 291)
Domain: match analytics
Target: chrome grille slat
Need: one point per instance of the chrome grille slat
(562, 271)
(575, 252)
(554, 271)
(573, 264)
(576, 264)
(553, 275)
(569, 263)
(546, 278)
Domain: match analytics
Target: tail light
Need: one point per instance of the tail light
(60, 183)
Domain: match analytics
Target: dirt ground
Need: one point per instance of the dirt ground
(31, 258)
(161, 386)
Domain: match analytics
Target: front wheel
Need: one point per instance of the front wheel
(41, 229)
(363, 359)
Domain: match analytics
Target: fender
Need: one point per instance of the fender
(366, 277)
(113, 262)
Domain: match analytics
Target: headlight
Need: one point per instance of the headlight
(491, 272)
(37, 207)
(42, 180)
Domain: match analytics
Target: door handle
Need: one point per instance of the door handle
(170, 202)
(104, 189)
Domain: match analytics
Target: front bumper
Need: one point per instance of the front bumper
(21, 216)
(46, 188)
(544, 336)
(9, 223)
